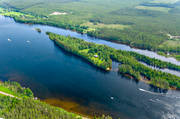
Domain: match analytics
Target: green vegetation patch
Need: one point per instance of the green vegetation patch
(160, 83)
(95, 54)
(170, 44)
(177, 57)
(161, 9)
(6, 90)
(102, 57)
(14, 14)
(164, 1)
(1, 10)
(129, 71)
(150, 74)
(152, 61)
(15, 89)
(93, 26)
(26, 107)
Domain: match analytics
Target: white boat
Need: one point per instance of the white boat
(112, 98)
(28, 41)
(9, 40)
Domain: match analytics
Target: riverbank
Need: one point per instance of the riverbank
(124, 38)
(176, 56)
(26, 102)
(102, 57)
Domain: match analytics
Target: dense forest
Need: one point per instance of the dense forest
(138, 23)
(25, 106)
(102, 57)
(151, 61)
(98, 55)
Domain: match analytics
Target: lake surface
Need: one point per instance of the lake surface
(64, 80)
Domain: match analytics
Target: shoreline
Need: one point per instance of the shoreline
(30, 22)
(145, 80)
(105, 39)
(69, 109)
(22, 96)
(36, 98)
(74, 46)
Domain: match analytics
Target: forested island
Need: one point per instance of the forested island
(141, 24)
(102, 56)
(19, 103)
(152, 61)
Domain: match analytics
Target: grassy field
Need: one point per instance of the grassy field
(6, 90)
(165, 1)
(138, 23)
(161, 9)
(15, 89)
(177, 57)
(171, 44)
(94, 26)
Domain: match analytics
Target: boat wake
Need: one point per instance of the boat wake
(149, 92)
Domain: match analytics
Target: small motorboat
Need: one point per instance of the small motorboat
(9, 40)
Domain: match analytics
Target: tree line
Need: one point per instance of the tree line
(102, 57)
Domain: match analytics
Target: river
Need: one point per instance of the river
(64, 80)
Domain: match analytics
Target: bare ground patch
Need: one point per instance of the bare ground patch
(58, 13)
